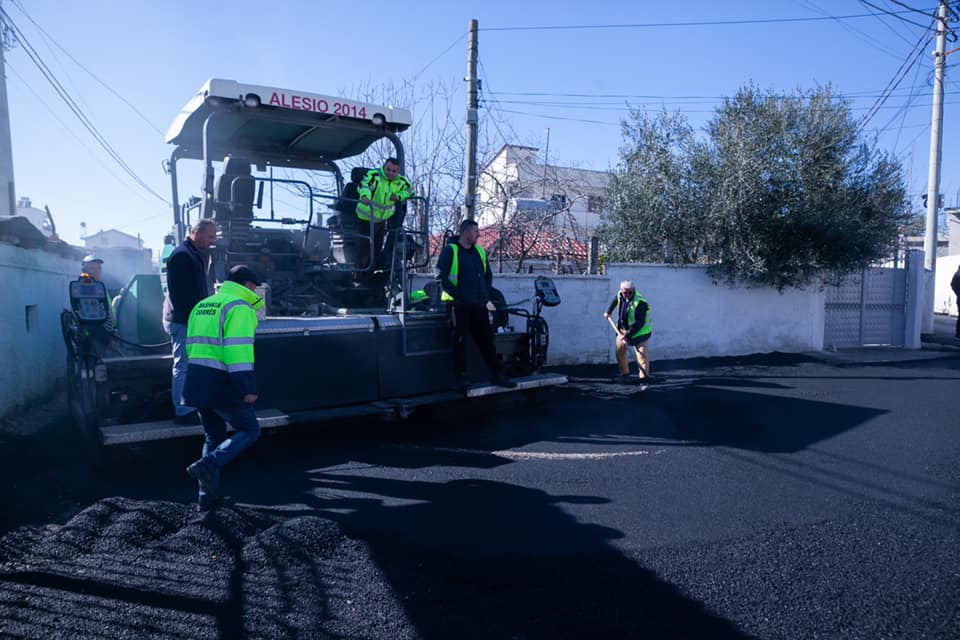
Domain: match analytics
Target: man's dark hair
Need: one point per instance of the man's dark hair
(391, 160)
(466, 224)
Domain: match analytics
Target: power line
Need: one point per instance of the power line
(906, 6)
(695, 23)
(58, 59)
(902, 113)
(872, 93)
(893, 29)
(485, 79)
(79, 140)
(106, 86)
(440, 55)
(895, 14)
(861, 35)
(72, 105)
(899, 75)
(620, 106)
(550, 117)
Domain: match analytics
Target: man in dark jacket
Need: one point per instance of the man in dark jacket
(955, 285)
(186, 286)
(466, 280)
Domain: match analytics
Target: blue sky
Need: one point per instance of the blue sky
(158, 54)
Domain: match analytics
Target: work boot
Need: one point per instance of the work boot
(625, 378)
(503, 381)
(189, 420)
(209, 504)
(203, 474)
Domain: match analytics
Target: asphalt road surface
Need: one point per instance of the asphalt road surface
(765, 497)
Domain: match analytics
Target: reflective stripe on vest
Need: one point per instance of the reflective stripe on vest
(632, 315)
(378, 189)
(454, 276)
(221, 328)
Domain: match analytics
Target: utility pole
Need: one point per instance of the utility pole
(933, 179)
(936, 140)
(8, 198)
(546, 158)
(470, 166)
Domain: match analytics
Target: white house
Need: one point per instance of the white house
(123, 255)
(516, 182)
(40, 218)
(952, 214)
(111, 239)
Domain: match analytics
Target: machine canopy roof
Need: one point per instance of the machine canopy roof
(279, 124)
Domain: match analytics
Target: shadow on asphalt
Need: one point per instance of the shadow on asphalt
(476, 558)
(463, 557)
(696, 409)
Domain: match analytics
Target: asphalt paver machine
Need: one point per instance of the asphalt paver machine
(343, 333)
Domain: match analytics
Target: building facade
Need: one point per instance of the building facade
(516, 187)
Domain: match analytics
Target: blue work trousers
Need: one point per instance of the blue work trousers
(220, 450)
(178, 336)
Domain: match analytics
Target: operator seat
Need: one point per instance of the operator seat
(235, 189)
(233, 208)
(347, 203)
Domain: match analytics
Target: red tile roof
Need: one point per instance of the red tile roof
(544, 243)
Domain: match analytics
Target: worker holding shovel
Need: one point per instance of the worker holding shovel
(633, 329)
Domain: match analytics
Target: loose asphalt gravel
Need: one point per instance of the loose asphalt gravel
(149, 569)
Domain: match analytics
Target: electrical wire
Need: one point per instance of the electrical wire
(905, 67)
(79, 140)
(550, 117)
(906, 6)
(860, 35)
(73, 106)
(872, 93)
(58, 59)
(440, 55)
(106, 86)
(618, 107)
(895, 14)
(694, 23)
(892, 27)
(902, 113)
(496, 124)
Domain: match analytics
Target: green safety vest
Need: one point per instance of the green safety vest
(632, 315)
(221, 328)
(453, 278)
(378, 189)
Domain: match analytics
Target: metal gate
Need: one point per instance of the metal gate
(869, 308)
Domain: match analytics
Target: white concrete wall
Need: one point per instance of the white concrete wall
(944, 300)
(33, 359)
(692, 317)
(578, 332)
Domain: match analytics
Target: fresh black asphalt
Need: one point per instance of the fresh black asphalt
(764, 497)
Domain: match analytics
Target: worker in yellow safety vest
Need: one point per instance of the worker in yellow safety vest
(633, 329)
(379, 193)
(220, 380)
(466, 281)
